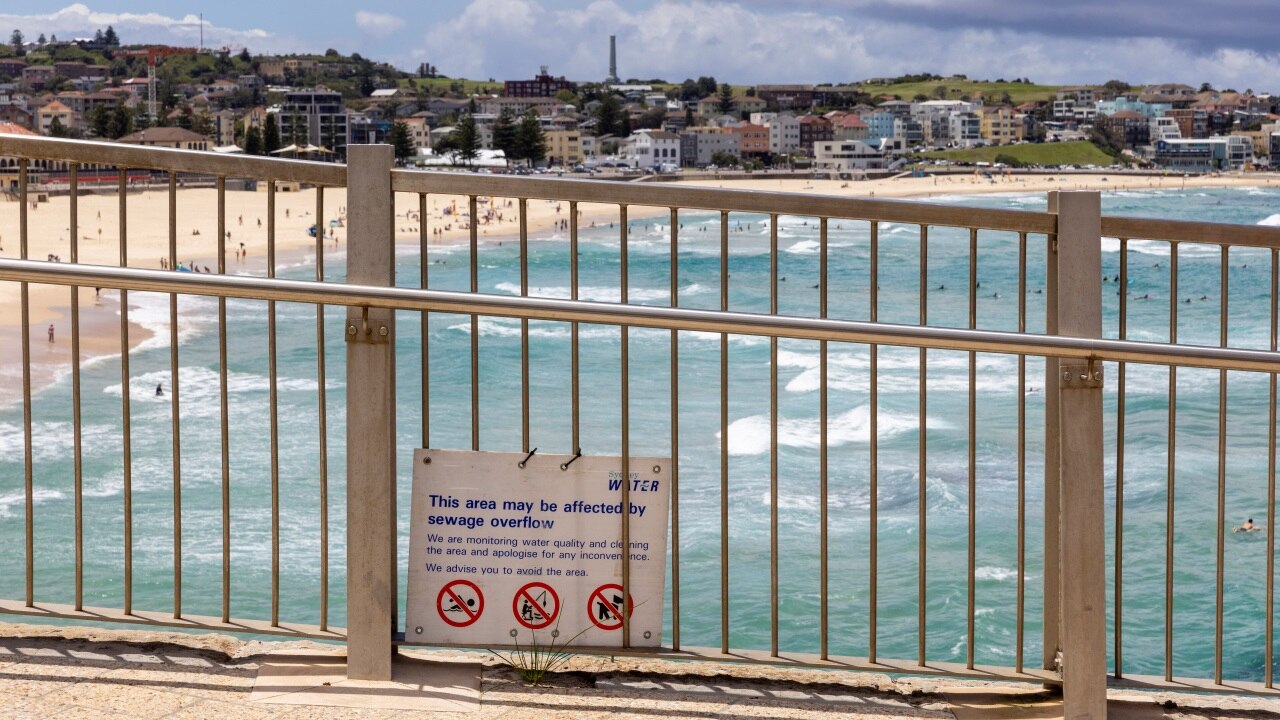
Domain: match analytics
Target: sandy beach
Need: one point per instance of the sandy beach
(196, 230)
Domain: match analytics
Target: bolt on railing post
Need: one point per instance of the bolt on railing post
(371, 423)
(1076, 260)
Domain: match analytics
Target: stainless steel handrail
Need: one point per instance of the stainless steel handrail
(665, 318)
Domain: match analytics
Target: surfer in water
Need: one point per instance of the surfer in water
(1248, 526)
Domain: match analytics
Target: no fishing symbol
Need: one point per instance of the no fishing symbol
(460, 603)
(604, 606)
(536, 605)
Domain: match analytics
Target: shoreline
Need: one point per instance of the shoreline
(148, 240)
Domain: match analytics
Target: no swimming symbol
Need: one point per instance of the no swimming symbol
(460, 603)
(536, 605)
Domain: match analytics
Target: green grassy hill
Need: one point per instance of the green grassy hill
(1081, 152)
(956, 89)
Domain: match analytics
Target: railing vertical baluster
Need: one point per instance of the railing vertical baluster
(424, 319)
(1268, 652)
(223, 415)
(473, 222)
(371, 421)
(675, 436)
(1078, 259)
(874, 451)
(922, 492)
(322, 407)
(1222, 467)
(971, 589)
(1171, 470)
(574, 394)
(1051, 615)
(724, 437)
(823, 439)
(773, 464)
(174, 404)
(273, 404)
(28, 456)
(127, 438)
(625, 420)
(1123, 279)
(524, 327)
(74, 178)
(1020, 620)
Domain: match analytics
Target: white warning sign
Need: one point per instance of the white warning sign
(501, 554)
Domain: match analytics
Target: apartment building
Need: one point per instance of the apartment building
(316, 116)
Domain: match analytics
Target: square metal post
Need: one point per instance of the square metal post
(371, 420)
(1081, 518)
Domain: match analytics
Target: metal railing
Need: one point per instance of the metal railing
(1072, 345)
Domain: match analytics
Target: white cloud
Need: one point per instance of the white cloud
(79, 20)
(674, 40)
(378, 24)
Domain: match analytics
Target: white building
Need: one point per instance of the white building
(844, 156)
(1164, 128)
(651, 148)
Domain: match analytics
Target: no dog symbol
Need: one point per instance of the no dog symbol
(604, 606)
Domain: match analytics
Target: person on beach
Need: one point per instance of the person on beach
(50, 332)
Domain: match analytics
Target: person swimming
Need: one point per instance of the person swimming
(1248, 526)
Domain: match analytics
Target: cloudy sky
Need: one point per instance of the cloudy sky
(1229, 43)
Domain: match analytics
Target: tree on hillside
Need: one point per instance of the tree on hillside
(110, 37)
(531, 143)
(16, 40)
(56, 128)
(270, 135)
(465, 140)
(402, 141)
(607, 117)
(504, 133)
(244, 56)
(99, 120)
(707, 85)
(725, 104)
(253, 141)
(688, 116)
(40, 40)
(121, 123)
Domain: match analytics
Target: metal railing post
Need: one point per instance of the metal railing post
(371, 498)
(1081, 555)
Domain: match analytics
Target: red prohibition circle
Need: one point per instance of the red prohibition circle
(526, 594)
(601, 610)
(449, 601)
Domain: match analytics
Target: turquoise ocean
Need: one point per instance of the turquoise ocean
(1146, 448)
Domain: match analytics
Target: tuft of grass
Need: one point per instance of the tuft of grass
(534, 661)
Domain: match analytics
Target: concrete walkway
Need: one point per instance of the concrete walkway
(77, 672)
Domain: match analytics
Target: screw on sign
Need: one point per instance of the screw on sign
(460, 603)
(604, 606)
(536, 605)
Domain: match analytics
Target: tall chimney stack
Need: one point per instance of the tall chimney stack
(613, 59)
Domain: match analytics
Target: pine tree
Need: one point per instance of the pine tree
(100, 121)
(110, 37)
(56, 128)
(253, 141)
(466, 139)
(121, 123)
(270, 135)
(40, 40)
(688, 116)
(504, 134)
(16, 40)
(531, 143)
(607, 116)
(402, 141)
(725, 104)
